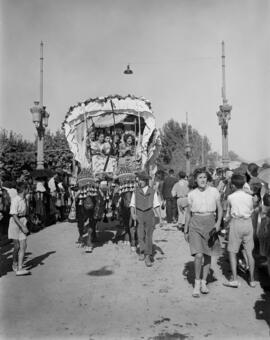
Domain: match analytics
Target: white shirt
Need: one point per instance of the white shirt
(51, 185)
(12, 192)
(18, 206)
(203, 201)
(155, 201)
(241, 204)
(40, 187)
(180, 189)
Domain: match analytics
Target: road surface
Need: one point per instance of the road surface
(109, 294)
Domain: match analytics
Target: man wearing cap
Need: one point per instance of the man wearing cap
(143, 200)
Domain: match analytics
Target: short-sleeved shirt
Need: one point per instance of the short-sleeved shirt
(18, 206)
(203, 201)
(52, 185)
(180, 189)
(241, 204)
(155, 201)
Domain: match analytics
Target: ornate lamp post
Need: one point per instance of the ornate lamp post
(224, 115)
(187, 148)
(40, 117)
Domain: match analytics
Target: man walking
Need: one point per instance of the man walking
(143, 200)
(171, 207)
(180, 191)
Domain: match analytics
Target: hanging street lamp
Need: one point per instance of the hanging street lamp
(128, 70)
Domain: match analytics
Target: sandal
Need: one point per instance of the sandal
(21, 272)
(88, 249)
(232, 284)
(196, 290)
(204, 289)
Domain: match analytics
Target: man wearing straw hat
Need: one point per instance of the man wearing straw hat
(143, 202)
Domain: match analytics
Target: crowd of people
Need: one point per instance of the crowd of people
(208, 206)
(48, 196)
(233, 206)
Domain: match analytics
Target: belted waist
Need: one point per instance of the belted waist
(21, 215)
(203, 213)
(241, 217)
(144, 210)
(181, 196)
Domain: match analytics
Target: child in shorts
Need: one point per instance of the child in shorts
(239, 212)
(18, 230)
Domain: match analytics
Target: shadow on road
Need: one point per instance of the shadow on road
(101, 272)
(156, 250)
(6, 259)
(224, 264)
(189, 273)
(262, 306)
(38, 260)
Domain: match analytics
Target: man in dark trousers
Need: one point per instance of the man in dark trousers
(144, 201)
(171, 206)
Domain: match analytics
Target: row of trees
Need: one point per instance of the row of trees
(14, 149)
(173, 136)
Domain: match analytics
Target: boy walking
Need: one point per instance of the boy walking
(240, 209)
(143, 200)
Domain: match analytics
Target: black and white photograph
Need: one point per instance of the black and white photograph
(134, 169)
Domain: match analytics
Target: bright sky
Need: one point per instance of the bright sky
(173, 46)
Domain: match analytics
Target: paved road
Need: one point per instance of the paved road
(109, 294)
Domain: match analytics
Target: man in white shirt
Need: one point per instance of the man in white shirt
(180, 191)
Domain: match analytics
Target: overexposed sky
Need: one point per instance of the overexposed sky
(173, 46)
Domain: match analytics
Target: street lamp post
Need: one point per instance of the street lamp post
(40, 117)
(187, 148)
(224, 115)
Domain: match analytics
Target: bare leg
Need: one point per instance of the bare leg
(198, 265)
(233, 265)
(251, 263)
(245, 256)
(89, 238)
(16, 252)
(22, 250)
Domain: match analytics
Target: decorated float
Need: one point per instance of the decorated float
(112, 138)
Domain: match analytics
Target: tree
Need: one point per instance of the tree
(173, 137)
(233, 156)
(18, 152)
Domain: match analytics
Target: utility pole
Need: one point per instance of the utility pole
(187, 148)
(40, 116)
(224, 114)
(40, 139)
(202, 151)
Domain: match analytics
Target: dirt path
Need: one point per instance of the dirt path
(109, 294)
